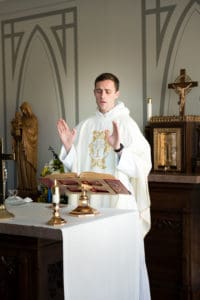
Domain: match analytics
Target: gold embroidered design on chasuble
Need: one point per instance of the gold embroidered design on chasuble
(98, 150)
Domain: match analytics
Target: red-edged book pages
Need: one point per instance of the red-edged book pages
(99, 183)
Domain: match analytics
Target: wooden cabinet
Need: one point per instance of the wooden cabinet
(175, 143)
(173, 243)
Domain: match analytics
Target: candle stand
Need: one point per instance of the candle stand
(56, 218)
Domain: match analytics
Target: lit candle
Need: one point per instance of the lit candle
(55, 193)
(149, 109)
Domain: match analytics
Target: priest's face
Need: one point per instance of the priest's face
(106, 95)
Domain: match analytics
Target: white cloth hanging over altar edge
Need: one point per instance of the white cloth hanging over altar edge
(102, 258)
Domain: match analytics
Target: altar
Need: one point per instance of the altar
(172, 245)
(88, 258)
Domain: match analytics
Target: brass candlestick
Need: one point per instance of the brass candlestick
(4, 213)
(56, 218)
(83, 208)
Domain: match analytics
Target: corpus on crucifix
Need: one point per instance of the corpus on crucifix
(182, 86)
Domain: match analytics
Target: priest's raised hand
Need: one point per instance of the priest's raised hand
(66, 134)
(114, 138)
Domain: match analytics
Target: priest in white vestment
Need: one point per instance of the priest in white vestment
(111, 142)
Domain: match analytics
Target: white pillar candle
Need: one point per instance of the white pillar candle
(55, 193)
(149, 109)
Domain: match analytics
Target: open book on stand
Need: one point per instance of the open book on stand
(99, 183)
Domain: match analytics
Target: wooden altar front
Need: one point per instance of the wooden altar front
(30, 268)
(173, 243)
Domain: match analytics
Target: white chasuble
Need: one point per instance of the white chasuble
(91, 152)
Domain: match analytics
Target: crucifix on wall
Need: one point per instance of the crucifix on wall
(182, 86)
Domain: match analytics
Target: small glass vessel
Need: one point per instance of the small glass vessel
(13, 199)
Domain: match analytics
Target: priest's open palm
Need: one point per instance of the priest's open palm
(66, 134)
(114, 138)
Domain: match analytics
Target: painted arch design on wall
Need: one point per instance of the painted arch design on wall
(18, 36)
(38, 30)
(164, 40)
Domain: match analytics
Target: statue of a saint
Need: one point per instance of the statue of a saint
(24, 129)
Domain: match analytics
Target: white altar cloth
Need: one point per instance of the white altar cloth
(102, 258)
(101, 254)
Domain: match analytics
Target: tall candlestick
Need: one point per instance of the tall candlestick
(149, 109)
(56, 219)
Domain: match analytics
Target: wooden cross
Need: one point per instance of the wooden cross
(3, 174)
(182, 86)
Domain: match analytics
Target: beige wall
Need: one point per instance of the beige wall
(51, 51)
